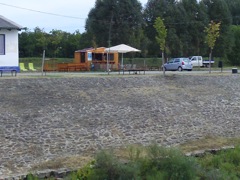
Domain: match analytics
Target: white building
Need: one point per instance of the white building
(9, 51)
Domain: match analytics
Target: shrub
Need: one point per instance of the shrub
(158, 163)
(226, 162)
(108, 166)
(171, 163)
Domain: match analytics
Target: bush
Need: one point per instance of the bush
(107, 166)
(155, 162)
(158, 163)
(226, 162)
(171, 163)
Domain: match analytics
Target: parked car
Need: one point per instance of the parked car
(196, 60)
(178, 64)
(206, 63)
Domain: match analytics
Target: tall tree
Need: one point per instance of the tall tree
(218, 11)
(161, 37)
(185, 21)
(212, 34)
(117, 21)
(196, 19)
(234, 54)
(26, 44)
(234, 7)
(166, 9)
(40, 41)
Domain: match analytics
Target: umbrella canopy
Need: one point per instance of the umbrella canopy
(122, 48)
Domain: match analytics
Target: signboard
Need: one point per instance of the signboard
(89, 56)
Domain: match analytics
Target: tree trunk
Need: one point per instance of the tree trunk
(163, 64)
(210, 57)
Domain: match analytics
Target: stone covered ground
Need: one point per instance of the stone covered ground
(50, 117)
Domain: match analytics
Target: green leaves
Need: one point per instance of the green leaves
(161, 33)
(212, 33)
(116, 21)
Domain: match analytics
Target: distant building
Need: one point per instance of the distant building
(9, 51)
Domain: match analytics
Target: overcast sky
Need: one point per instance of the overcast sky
(27, 13)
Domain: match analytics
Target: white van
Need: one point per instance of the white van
(196, 60)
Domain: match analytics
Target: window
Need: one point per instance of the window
(82, 57)
(177, 60)
(2, 44)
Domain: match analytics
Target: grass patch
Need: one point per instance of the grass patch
(209, 142)
(155, 162)
(73, 162)
(37, 61)
(136, 151)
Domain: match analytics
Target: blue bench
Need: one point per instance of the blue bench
(11, 69)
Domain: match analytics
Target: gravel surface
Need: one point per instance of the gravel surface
(46, 118)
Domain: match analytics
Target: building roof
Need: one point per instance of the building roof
(8, 24)
(91, 49)
(84, 50)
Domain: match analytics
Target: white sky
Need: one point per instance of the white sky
(31, 19)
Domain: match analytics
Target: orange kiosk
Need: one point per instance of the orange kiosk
(96, 58)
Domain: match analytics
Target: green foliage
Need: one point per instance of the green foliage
(37, 61)
(171, 162)
(83, 173)
(159, 162)
(184, 20)
(134, 153)
(156, 162)
(234, 54)
(31, 177)
(234, 7)
(212, 32)
(56, 43)
(121, 21)
(226, 162)
(161, 33)
(127, 22)
(140, 61)
(218, 11)
(108, 166)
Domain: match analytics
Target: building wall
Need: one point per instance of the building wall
(11, 57)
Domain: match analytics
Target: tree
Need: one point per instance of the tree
(234, 7)
(57, 43)
(124, 18)
(26, 44)
(218, 11)
(161, 37)
(40, 41)
(185, 21)
(234, 55)
(212, 34)
(196, 18)
(166, 9)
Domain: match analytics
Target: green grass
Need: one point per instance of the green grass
(156, 162)
(227, 162)
(37, 61)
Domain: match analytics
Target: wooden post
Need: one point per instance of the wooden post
(43, 59)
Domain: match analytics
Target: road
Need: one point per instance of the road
(205, 71)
